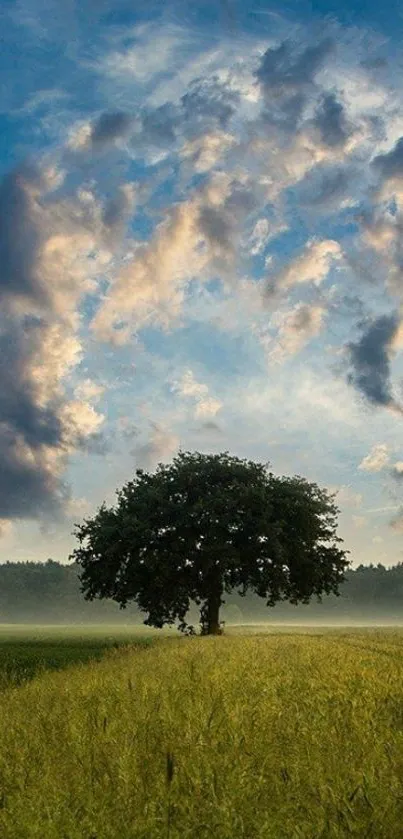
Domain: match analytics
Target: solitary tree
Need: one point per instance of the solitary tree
(206, 525)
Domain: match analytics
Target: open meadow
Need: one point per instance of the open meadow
(281, 734)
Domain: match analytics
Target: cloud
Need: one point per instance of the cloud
(382, 232)
(311, 266)
(331, 122)
(44, 273)
(286, 76)
(101, 133)
(208, 407)
(376, 459)
(150, 287)
(78, 507)
(397, 470)
(264, 231)
(283, 70)
(197, 235)
(297, 328)
(370, 360)
(18, 210)
(259, 236)
(211, 426)
(390, 165)
(160, 447)
(110, 126)
(88, 389)
(6, 528)
(187, 386)
(229, 147)
(147, 52)
(205, 151)
(329, 187)
(209, 102)
(116, 213)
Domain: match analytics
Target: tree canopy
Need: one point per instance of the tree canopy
(206, 525)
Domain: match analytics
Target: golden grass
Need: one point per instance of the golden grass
(266, 737)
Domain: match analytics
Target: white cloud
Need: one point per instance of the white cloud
(150, 288)
(6, 528)
(205, 151)
(259, 236)
(151, 52)
(208, 407)
(377, 458)
(187, 386)
(297, 327)
(311, 266)
(263, 232)
(87, 389)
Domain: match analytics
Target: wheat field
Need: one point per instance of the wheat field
(271, 736)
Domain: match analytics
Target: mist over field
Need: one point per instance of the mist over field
(49, 592)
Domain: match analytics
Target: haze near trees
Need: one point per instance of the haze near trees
(206, 525)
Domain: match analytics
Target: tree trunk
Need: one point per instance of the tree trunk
(210, 615)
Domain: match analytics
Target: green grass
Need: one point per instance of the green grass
(276, 736)
(26, 651)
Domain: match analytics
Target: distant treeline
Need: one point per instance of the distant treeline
(36, 592)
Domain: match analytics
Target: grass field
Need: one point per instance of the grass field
(280, 735)
(26, 651)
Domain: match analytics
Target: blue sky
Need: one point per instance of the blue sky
(200, 227)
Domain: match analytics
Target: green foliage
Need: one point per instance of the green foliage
(206, 525)
(22, 658)
(270, 737)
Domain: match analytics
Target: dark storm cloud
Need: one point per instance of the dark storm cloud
(110, 126)
(27, 490)
(159, 125)
(27, 486)
(281, 71)
(370, 360)
(18, 409)
(209, 101)
(217, 228)
(390, 164)
(286, 78)
(35, 432)
(116, 212)
(19, 235)
(331, 122)
(326, 186)
(221, 225)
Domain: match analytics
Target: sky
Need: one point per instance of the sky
(201, 209)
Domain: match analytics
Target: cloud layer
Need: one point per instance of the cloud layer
(189, 214)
